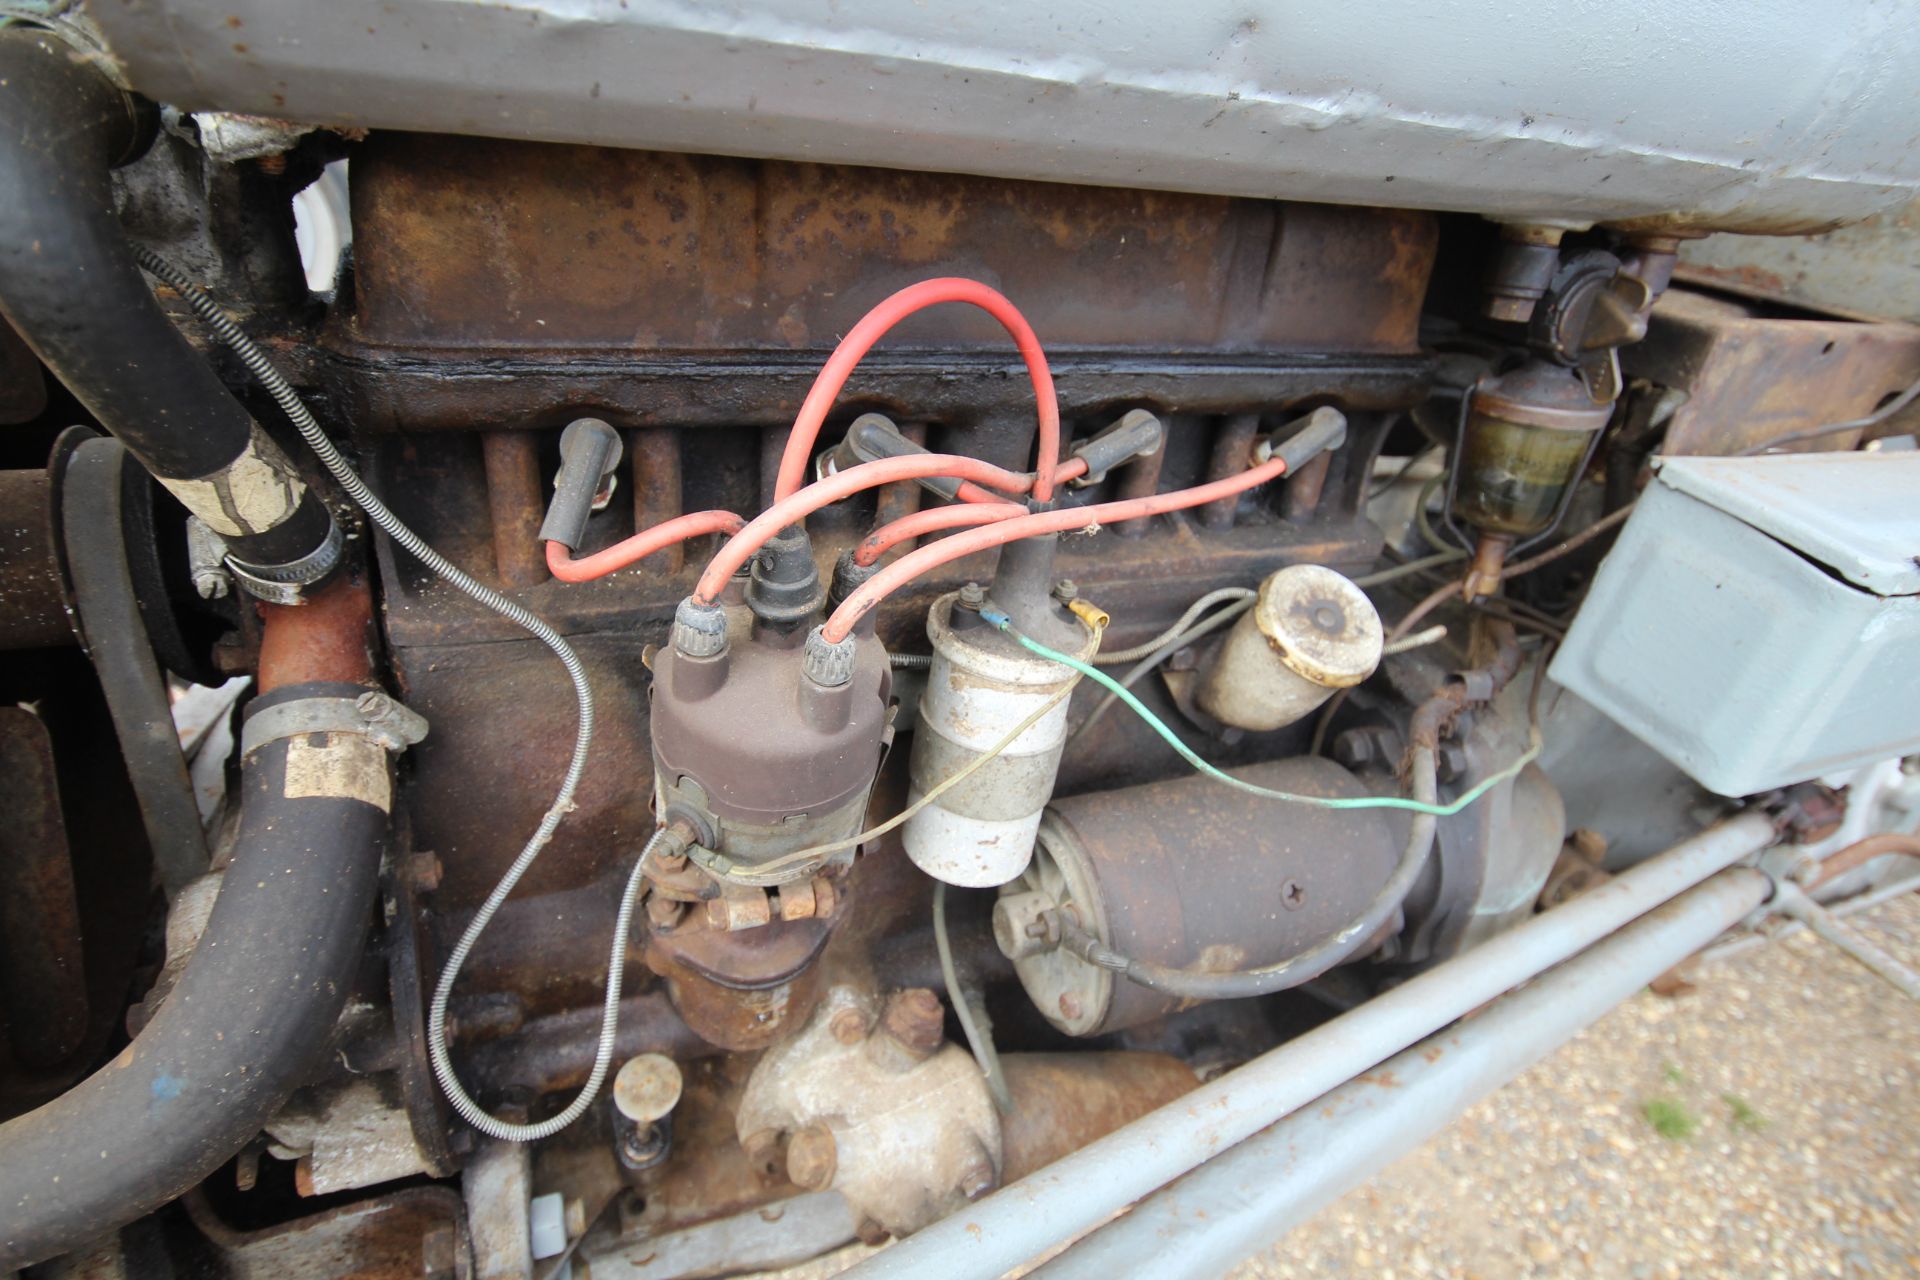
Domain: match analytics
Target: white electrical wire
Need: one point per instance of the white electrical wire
(250, 354)
(1194, 610)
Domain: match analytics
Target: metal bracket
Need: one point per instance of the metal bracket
(285, 583)
(372, 715)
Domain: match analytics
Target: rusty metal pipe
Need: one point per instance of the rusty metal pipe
(1141, 479)
(512, 460)
(1861, 852)
(656, 489)
(1232, 454)
(1301, 497)
(329, 638)
(902, 498)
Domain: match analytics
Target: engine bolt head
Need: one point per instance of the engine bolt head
(972, 596)
(849, 1026)
(812, 1158)
(915, 1018)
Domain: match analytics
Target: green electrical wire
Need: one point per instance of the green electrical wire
(1004, 623)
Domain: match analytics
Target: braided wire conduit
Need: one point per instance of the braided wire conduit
(228, 331)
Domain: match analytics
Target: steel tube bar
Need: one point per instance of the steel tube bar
(1238, 1204)
(1076, 1194)
(1799, 906)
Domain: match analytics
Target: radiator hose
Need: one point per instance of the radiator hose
(254, 1012)
(70, 287)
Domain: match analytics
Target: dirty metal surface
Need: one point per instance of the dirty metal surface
(1438, 107)
(488, 246)
(505, 284)
(1868, 271)
(43, 988)
(1185, 880)
(416, 1234)
(23, 387)
(742, 990)
(1752, 376)
(33, 606)
(1063, 1101)
(554, 1054)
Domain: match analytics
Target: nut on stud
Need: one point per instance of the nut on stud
(812, 1158)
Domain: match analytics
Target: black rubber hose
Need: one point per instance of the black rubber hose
(249, 1020)
(70, 287)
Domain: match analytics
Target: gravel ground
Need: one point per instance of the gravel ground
(1763, 1125)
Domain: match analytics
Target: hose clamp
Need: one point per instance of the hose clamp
(372, 715)
(283, 583)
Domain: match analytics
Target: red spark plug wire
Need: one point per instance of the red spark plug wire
(999, 533)
(891, 311)
(562, 565)
(841, 484)
(932, 520)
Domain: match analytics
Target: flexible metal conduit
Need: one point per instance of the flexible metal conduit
(1235, 1205)
(1078, 1193)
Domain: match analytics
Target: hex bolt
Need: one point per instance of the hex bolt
(915, 1018)
(664, 913)
(732, 914)
(1025, 924)
(972, 596)
(1293, 895)
(1452, 761)
(812, 1158)
(423, 871)
(1353, 748)
(849, 1026)
(1066, 591)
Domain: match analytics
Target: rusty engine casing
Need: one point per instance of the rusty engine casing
(500, 290)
